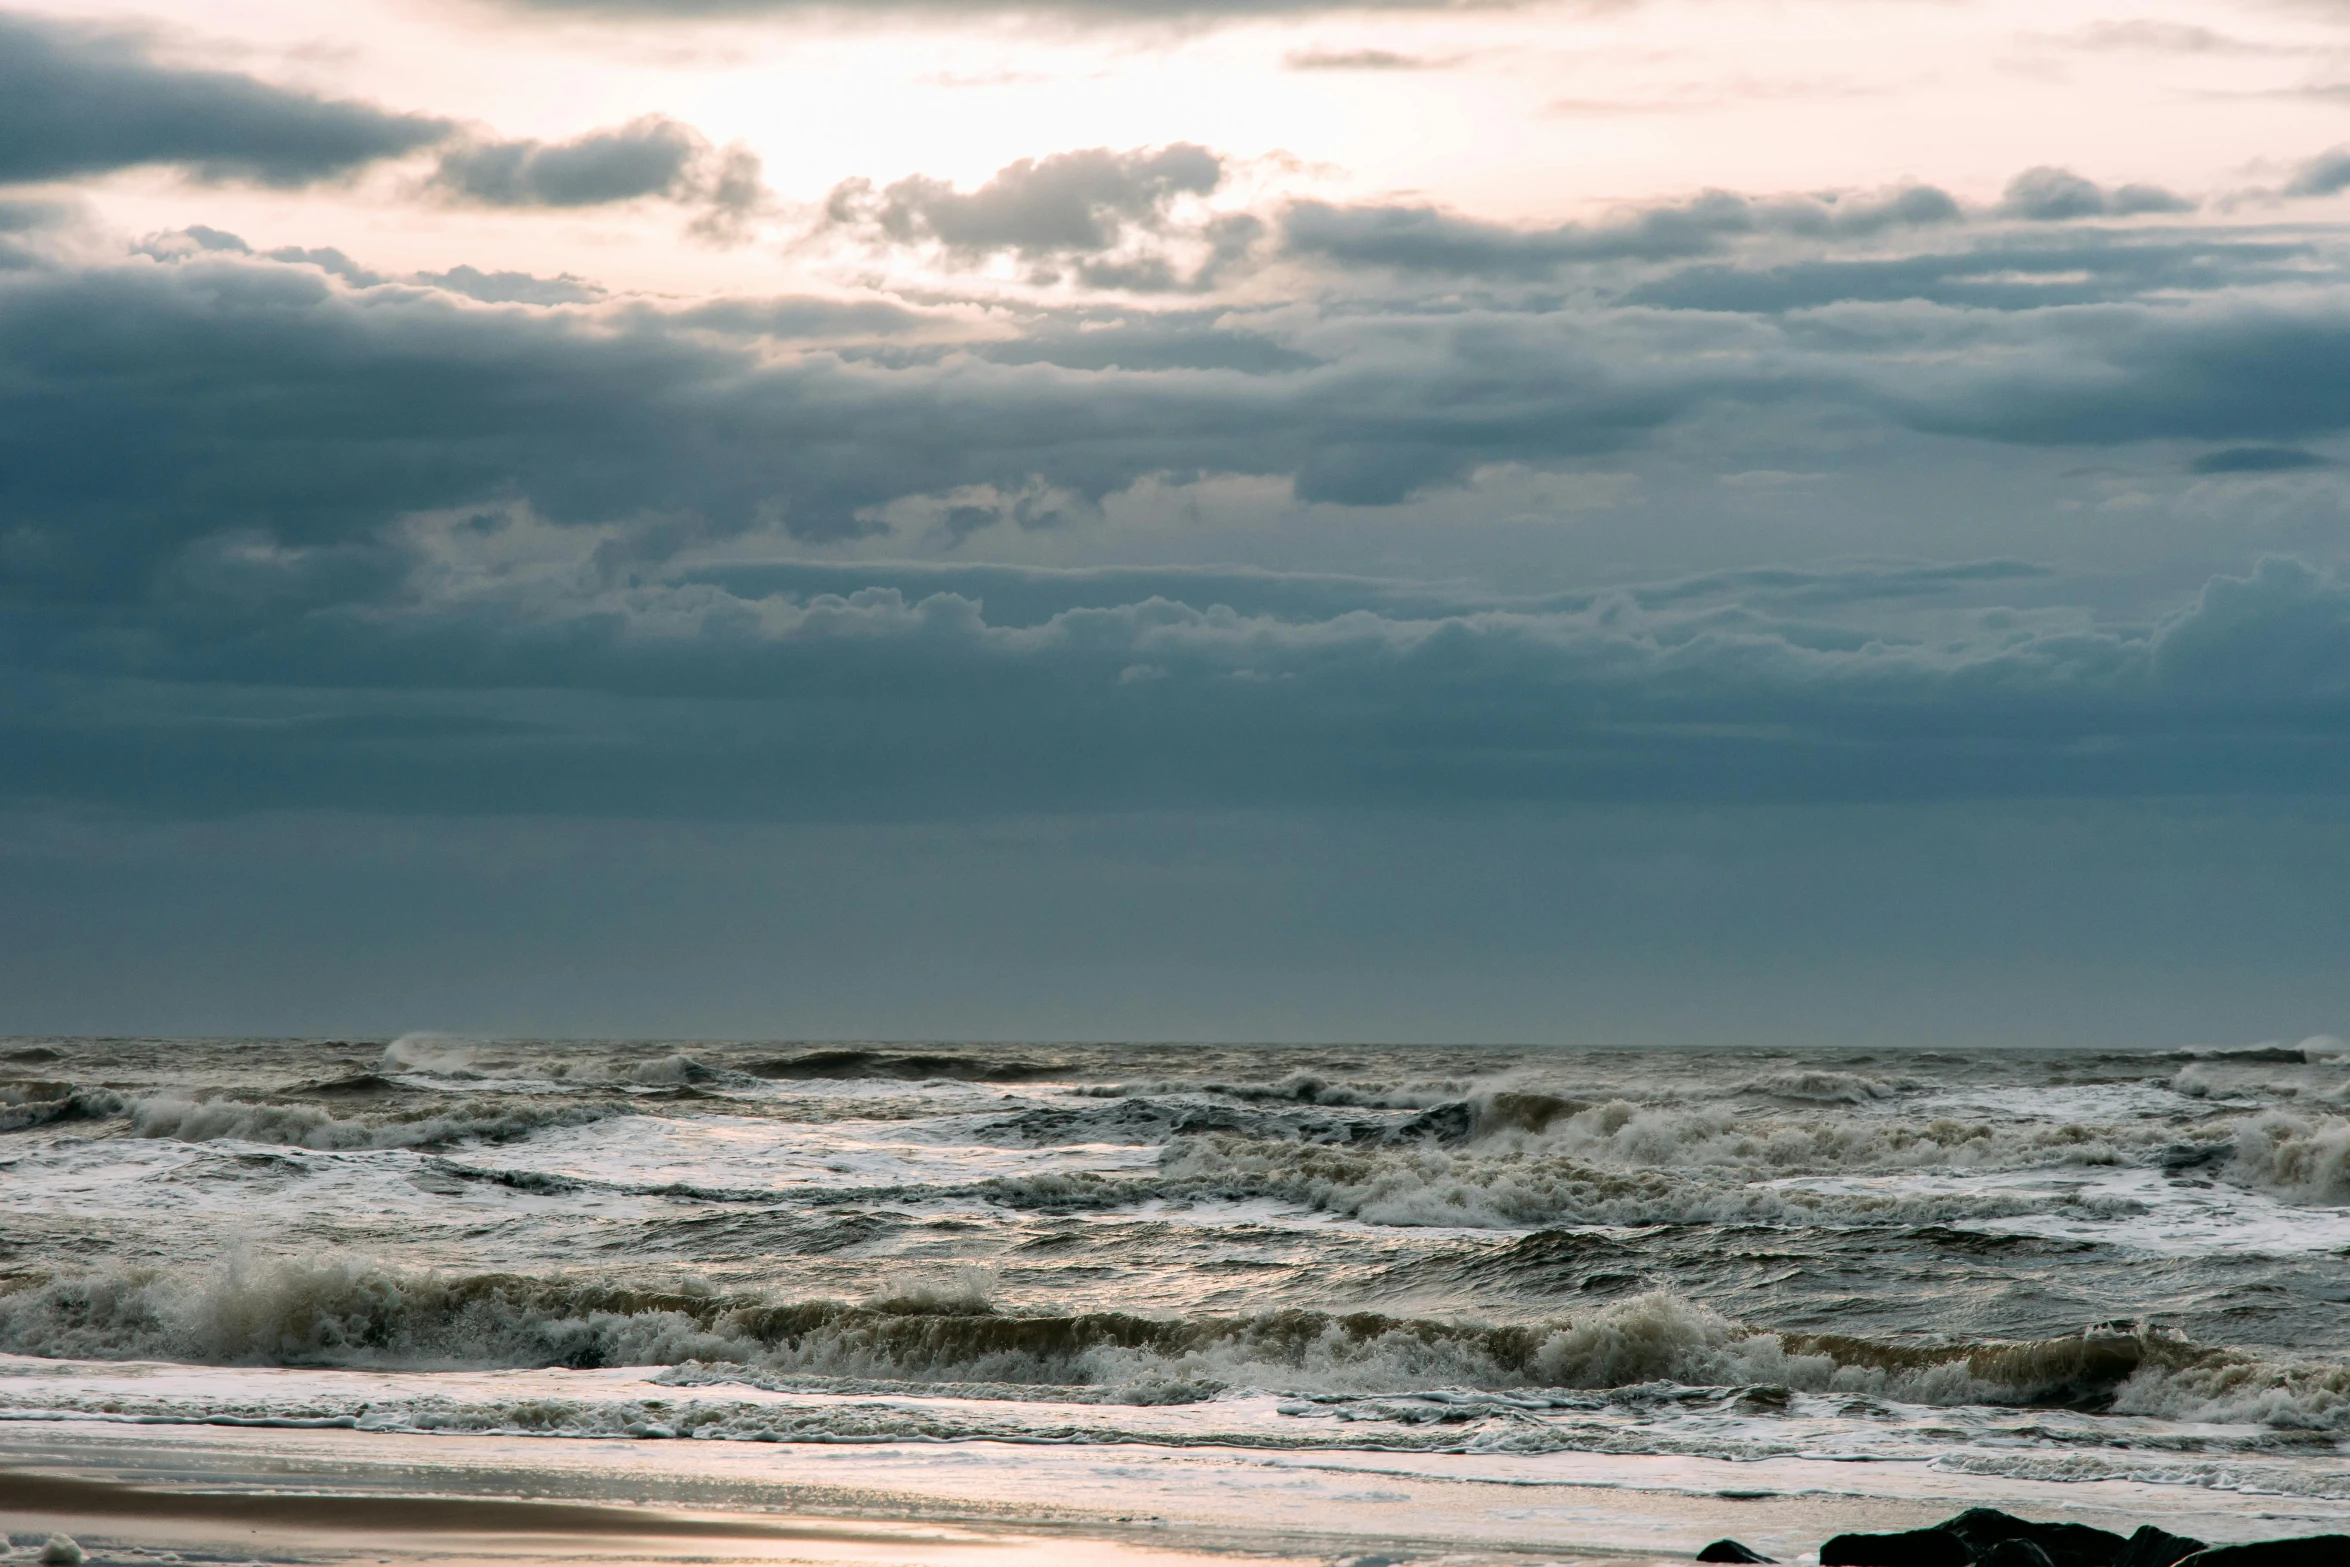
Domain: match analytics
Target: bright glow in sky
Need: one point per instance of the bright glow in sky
(1533, 113)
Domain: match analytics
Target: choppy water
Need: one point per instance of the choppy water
(2044, 1265)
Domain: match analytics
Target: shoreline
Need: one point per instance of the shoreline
(334, 1495)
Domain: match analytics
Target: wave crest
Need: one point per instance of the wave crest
(2304, 1158)
(354, 1313)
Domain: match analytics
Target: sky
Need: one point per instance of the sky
(1725, 522)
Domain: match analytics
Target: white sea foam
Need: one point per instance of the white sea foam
(308, 1126)
(1823, 1087)
(2306, 1158)
(1615, 1164)
(427, 1052)
(343, 1312)
(917, 1225)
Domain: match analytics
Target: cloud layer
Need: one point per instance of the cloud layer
(81, 100)
(477, 539)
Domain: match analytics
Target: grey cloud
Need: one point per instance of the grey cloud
(197, 239)
(685, 698)
(26, 225)
(1069, 204)
(26, 217)
(312, 410)
(1423, 239)
(2257, 459)
(1364, 60)
(732, 193)
(277, 534)
(276, 398)
(1098, 12)
(2053, 195)
(1158, 340)
(513, 288)
(2013, 270)
(1027, 596)
(79, 100)
(653, 156)
(835, 322)
(2327, 174)
(495, 288)
(2273, 642)
(2144, 35)
(2215, 370)
(1428, 239)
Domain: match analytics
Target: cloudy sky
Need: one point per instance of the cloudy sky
(1658, 521)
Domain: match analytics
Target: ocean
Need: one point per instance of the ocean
(2064, 1276)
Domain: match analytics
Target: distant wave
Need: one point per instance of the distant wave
(199, 1120)
(852, 1065)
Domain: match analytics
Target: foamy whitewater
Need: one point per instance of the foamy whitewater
(2037, 1266)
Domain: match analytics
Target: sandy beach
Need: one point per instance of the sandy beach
(145, 1492)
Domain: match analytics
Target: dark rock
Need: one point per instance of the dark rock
(2152, 1547)
(1732, 1551)
(1914, 1548)
(2310, 1550)
(2018, 1552)
(2060, 1544)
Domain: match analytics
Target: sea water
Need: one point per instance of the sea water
(1995, 1267)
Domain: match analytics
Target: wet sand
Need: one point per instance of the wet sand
(138, 1493)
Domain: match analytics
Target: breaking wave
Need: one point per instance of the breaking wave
(1823, 1087)
(849, 1065)
(2299, 1157)
(441, 1055)
(1515, 1160)
(949, 1338)
(1301, 1088)
(24, 1105)
(202, 1120)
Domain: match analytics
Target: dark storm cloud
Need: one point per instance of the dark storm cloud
(77, 100)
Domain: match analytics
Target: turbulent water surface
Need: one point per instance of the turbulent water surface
(2045, 1265)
